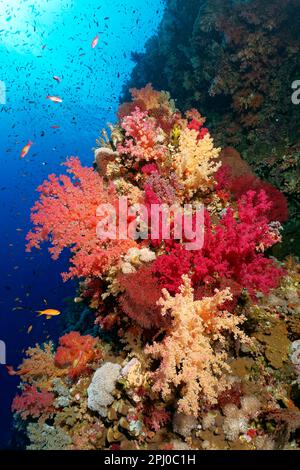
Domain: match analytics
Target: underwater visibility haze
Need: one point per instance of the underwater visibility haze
(149, 189)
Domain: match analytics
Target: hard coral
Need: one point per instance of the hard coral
(101, 388)
(76, 352)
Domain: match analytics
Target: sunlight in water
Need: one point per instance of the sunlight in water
(24, 25)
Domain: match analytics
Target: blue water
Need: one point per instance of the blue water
(40, 39)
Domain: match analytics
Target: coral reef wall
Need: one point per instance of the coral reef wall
(178, 347)
(236, 61)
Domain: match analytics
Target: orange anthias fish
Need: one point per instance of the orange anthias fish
(12, 372)
(49, 313)
(26, 149)
(95, 41)
(55, 99)
(57, 79)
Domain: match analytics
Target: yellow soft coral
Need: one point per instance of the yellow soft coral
(38, 368)
(195, 162)
(187, 355)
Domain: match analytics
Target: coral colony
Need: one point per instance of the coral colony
(187, 348)
(239, 63)
(2, 352)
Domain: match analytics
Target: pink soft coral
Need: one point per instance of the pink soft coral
(33, 403)
(66, 214)
(155, 418)
(143, 137)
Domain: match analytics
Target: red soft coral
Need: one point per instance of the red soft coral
(140, 296)
(76, 352)
(236, 177)
(66, 214)
(33, 403)
(156, 418)
(232, 252)
(279, 208)
(197, 126)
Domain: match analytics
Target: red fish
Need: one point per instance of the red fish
(95, 41)
(26, 149)
(57, 79)
(55, 99)
(55, 127)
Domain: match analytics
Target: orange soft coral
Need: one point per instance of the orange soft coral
(66, 214)
(76, 352)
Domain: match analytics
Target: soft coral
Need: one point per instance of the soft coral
(67, 215)
(76, 352)
(233, 252)
(141, 291)
(33, 403)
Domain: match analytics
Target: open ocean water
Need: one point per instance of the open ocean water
(40, 40)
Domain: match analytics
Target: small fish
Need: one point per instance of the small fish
(11, 371)
(55, 127)
(55, 99)
(29, 329)
(49, 313)
(95, 41)
(26, 149)
(57, 79)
